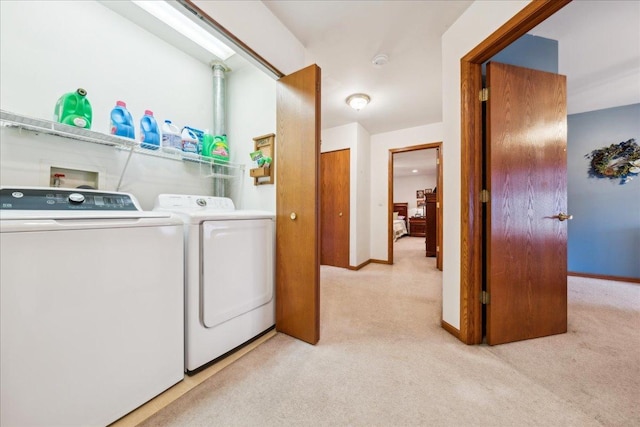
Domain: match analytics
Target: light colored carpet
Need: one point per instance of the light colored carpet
(384, 360)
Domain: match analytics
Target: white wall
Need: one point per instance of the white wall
(339, 138)
(380, 145)
(476, 24)
(251, 96)
(251, 93)
(362, 251)
(51, 48)
(26, 160)
(405, 187)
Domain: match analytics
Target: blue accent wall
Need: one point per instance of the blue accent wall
(537, 53)
(604, 235)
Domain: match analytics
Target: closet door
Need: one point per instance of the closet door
(335, 217)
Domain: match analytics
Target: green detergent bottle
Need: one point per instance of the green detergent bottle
(74, 109)
(220, 148)
(207, 144)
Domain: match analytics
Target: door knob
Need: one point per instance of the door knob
(563, 216)
(293, 216)
(340, 214)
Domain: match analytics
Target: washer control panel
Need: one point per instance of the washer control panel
(31, 199)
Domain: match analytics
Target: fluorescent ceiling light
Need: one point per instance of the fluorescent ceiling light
(179, 22)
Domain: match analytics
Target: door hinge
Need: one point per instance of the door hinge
(437, 161)
(437, 248)
(318, 87)
(437, 205)
(484, 196)
(485, 298)
(484, 94)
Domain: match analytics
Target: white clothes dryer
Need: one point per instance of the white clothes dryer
(91, 297)
(229, 274)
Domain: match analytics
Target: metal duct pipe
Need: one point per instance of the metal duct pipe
(219, 100)
(219, 118)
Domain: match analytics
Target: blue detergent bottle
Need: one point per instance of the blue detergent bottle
(189, 141)
(121, 121)
(149, 131)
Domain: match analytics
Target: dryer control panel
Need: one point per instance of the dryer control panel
(40, 199)
(191, 203)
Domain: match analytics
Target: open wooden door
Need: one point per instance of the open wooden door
(439, 189)
(526, 246)
(335, 217)
(298, 205)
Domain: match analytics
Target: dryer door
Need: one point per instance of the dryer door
(237, 266)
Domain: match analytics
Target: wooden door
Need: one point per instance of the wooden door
(335, 184)
(298, 205)
(431, 224)
(526, 275)
(439, 189)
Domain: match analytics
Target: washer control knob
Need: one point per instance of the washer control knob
(76, 198)
(201, 202)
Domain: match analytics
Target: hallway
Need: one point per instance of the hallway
(383, 359)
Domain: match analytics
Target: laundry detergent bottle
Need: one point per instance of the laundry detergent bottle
(149, 131)
(121, 121)
(74, 109)
(171, 137)
(207, 144)
(220, 150)
(189, 141)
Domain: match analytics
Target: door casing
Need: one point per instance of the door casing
(471, 236)
(439, 184)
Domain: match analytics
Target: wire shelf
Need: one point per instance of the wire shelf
(8, 119)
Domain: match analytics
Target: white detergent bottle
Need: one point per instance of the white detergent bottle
(189, 141)
(171, 138)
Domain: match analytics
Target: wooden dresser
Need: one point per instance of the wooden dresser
(417, 226)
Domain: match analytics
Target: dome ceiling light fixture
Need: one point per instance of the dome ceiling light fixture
(358, 101)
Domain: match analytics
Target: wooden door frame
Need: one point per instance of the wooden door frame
(437, 145)
(471, 236)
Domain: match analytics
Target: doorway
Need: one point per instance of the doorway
(471, 252)
(424, 195)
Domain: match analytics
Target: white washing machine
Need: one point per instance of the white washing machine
(91, 306)
(229, 274)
